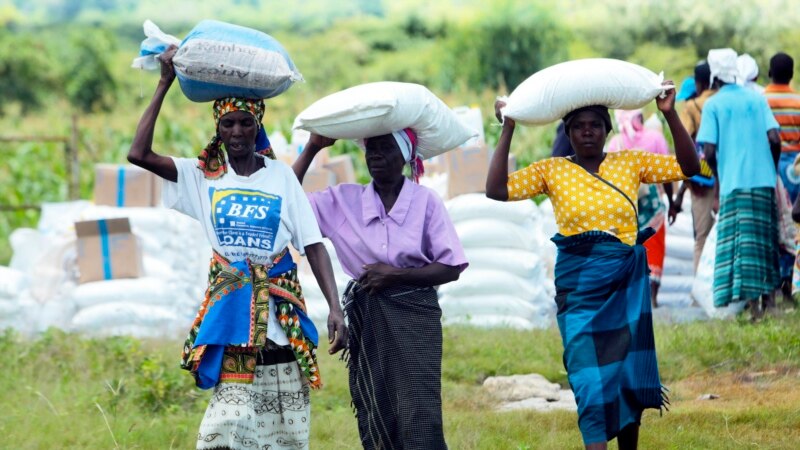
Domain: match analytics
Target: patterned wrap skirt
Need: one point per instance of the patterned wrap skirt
(606, 324)
(395, 367)
(747, 246)
(272, 412)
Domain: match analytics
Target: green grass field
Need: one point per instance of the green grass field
(62, 391)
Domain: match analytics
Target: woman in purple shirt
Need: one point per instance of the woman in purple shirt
(396, 240)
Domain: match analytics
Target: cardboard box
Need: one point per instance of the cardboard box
(318, 179)
(342, 167)
(467, 168)
(107, 249)
(125, 185)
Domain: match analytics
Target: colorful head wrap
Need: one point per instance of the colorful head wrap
(406, 140)
(212, 160)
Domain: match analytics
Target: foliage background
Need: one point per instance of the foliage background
(65, 57)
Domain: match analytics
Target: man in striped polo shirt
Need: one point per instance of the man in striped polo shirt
(785, 105)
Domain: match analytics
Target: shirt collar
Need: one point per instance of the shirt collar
(372, 207)
(772, 87)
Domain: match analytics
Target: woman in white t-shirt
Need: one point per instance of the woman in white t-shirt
(252, 340)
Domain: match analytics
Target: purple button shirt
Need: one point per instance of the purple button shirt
(416, 232)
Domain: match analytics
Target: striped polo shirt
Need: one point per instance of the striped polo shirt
(785, 104)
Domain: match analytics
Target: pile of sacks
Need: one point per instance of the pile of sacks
(160, 303)
(678, 275)
(509, 279)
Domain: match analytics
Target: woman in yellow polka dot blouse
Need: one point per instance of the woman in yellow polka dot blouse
(602, 286)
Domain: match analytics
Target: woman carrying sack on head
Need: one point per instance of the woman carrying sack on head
(601, 275)
(395, 239)
(252, 340)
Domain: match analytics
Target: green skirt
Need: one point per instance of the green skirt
(747, 246)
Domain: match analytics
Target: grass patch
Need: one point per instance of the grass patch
(68, 392)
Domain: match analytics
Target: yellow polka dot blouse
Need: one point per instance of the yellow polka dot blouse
(582, 202)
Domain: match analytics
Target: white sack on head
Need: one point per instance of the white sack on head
(375, 109)
(549, 94)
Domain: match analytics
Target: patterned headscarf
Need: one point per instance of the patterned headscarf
(212, 160)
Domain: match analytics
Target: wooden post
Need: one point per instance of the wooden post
(73, 163)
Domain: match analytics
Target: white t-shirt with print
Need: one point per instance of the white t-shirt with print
(253, 217)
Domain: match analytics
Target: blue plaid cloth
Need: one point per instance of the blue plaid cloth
(606, 324)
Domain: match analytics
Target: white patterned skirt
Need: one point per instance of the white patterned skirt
(274, 412)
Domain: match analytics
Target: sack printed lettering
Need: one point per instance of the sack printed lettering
(245, 218)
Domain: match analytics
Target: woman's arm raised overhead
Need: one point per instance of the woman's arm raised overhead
(141, 152)
(497, 178)
(685, 151)
(314, 145)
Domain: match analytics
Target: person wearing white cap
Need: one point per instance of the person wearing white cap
(748, 72)
(740, 139)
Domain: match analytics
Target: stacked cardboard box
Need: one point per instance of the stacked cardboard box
(125, 185)
(107, 249)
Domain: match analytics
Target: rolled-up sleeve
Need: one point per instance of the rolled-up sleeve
(441, 240)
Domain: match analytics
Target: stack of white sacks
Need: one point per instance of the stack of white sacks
(678, 276)
(509, 279)
(162, 302)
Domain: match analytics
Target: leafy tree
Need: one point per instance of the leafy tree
(26, 71)
(87, 79)
(504, 46)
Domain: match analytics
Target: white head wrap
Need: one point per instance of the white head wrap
(404, 142)
(722, 62)
(748, 68)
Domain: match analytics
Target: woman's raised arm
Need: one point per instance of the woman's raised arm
(497, 178)
(314, 145)
(141, 152)
(685, 151)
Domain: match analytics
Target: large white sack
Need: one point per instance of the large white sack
(675, 266)
(680, 247)
(145, 290)
(492, 282)
(522, 263)
(27, 244)
(478, 206)
(60, 217)
(375, 109)
(125, 313)
(495, 321)
(676, 283)
(551, 93)
(481, 305)
(218, 59)
(703, 286)
(56, 313)
(12, 282)
(495, 233)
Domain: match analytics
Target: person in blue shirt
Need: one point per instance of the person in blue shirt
(740, 139)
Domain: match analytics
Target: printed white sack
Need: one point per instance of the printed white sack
(218, 59)
(703, 286)
(549, 94)
(375, 109)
